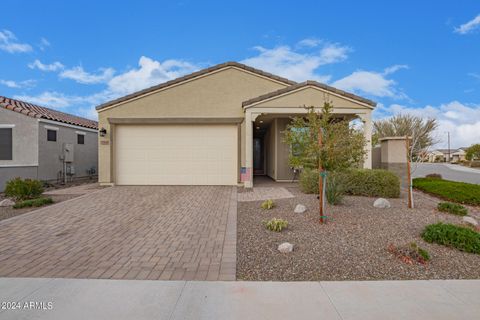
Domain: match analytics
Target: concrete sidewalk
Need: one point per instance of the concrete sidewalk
(144, 299)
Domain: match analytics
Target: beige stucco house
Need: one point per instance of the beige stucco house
(217, 126)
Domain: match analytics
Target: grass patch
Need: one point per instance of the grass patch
(452, 208)
(33, 203)
(459, 192)
(462, 238)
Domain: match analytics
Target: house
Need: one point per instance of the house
(217, 126)
(45, 144)
(447, 155)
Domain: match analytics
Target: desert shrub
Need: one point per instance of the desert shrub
(459, 192)
(372, 183)
(335, 190)
(276, 224)
(33, 203)
(452, 208)
(19, 189)
(309, 181)
(268, 204)
(462, 238)
(434, 176)
(410, 253)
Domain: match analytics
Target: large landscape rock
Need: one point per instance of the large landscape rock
(6, 203)
(470, 221)
(381, 203)
(285, 247)
(300, 208)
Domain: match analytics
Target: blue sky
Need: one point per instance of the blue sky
(410, 56)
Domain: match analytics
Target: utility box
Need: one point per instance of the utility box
(68, 152)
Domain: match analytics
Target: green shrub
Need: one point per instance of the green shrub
(452, 208)
(410, 253)
(434, 176)
(309, 181)
(462, 238)
(276, 224)
(358, 182)
(33, 203)
(372, 183)
(19, 189)
(335, 188)
(268, 204)
(459, 192)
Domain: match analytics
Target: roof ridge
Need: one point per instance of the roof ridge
(192, 76)
(304, 84)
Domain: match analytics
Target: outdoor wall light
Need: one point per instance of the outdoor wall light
(258, 128)
(103, 132)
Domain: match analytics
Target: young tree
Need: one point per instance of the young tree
(473, 152)
(318, 140)
(419, 135)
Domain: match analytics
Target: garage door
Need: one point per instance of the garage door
(176, 154)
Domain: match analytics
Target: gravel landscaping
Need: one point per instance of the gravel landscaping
(352, 246)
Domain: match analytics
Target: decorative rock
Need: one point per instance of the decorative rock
(470, 221)
(300, 208)
(381, 203)
(285, 247)
(6, 203)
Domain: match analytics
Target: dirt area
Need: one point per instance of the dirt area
(351, 246)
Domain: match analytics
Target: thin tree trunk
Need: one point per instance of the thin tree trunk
(320, 179)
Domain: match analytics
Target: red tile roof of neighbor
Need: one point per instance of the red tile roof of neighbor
(35, 111)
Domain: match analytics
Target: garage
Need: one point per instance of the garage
(176, 154)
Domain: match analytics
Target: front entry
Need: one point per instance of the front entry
(258, 157)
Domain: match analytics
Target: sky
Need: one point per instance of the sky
(420, 57)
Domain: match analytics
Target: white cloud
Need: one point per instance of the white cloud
(37, 64)
(44, 43)
(149, 72)
(372, 83)
(461, 120)
(309, 42)
(18, 84)
(470, 26)
(9, 43)
(295, 65)
(81, 76)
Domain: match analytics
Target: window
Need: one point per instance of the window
(51, 135)
(6, 144)
(80, 139)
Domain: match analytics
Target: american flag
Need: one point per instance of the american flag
(245, 174)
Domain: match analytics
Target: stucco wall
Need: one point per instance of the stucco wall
(24, 172)
(218, 94)
(24, 138)
(50, 164)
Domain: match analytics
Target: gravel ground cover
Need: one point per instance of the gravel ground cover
(352, 246)
(8, 212)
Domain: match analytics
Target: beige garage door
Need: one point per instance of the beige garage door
(176, 154)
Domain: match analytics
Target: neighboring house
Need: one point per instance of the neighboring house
(447, 155)
(34, 140)
(217, 126)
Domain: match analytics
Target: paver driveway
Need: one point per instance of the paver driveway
(137, 232)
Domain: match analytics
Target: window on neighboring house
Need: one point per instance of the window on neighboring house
(80, 139)
(6, 144)
(51, 135)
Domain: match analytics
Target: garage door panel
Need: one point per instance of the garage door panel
(176, 155)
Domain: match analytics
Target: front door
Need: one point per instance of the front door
(258, 156)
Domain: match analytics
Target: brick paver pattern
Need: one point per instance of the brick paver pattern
(264, 193)
(130, 232)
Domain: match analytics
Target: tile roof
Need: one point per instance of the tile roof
(194, 75)
(35, 111)
(305, 84)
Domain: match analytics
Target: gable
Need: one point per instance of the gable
(308, 95)
(217, 94)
